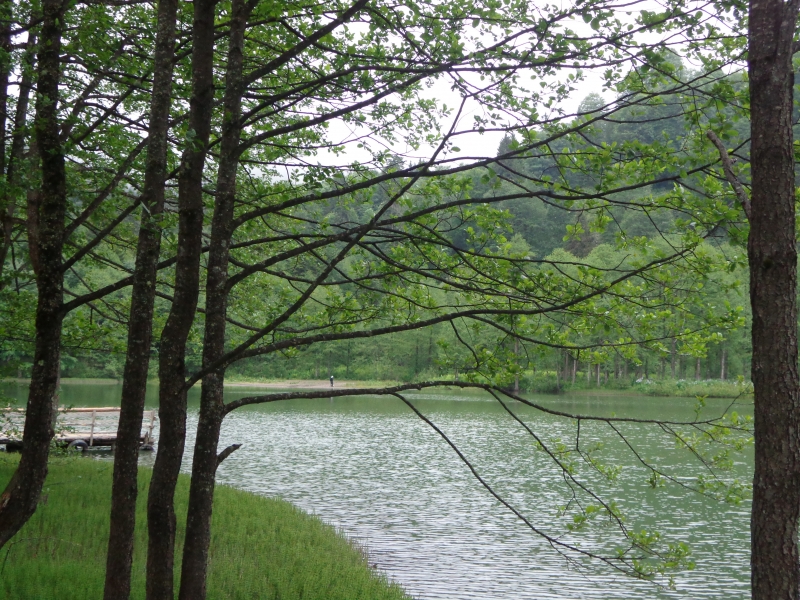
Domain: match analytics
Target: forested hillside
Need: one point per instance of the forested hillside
(707, 341)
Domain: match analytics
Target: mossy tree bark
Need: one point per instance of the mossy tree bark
(172, 367)
(140, 324)
(205, 462)
(21, 496)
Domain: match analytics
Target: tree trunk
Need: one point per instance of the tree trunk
(772, 257)
(673, 356)
(7, 206)
(140, 323)
(6, 65)
(20, 497)
(697, 369)
(172, 366)
(16, 154)
(205, 462)
(723, 374)
(558, 371)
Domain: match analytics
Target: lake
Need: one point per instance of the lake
(371, 467)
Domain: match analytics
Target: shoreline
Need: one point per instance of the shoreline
(707, 388)
(282, 384)
(290, 552)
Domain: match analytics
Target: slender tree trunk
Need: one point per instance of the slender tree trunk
(7, 206)
(212, 409)
(6, 21)
(558, 371)
(723, 374)
(673, 357)
(172, 366)
(15, 156)
(697, 369)
(429, 361)
(772, 256)
(20, 497)
(140, 323)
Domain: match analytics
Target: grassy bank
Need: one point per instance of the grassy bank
(712, 388)
(261, 548)
(545, 383)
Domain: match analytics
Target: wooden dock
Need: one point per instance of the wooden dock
(78, 428)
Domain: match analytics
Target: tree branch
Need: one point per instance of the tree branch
(227, 452)
(727, 166)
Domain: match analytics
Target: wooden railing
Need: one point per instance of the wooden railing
(78, 427)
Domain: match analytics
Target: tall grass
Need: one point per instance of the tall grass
(261, 548)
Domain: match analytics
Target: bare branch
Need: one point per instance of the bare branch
(227, 452)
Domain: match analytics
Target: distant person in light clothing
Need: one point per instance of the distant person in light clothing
(331, 380)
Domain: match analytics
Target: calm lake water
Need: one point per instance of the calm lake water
(372, 468)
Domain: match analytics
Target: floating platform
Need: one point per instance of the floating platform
(78, 428)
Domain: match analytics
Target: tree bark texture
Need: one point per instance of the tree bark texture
(6, 18)
(20, 497)
(212, 409)
(773, 286)
(140, 323)
(172, 368)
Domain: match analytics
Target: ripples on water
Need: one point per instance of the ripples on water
(372, 468)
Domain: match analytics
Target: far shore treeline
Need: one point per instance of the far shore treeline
(533, 228)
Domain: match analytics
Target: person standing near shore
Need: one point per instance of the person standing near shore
(331, 380)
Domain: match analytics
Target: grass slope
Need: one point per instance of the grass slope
(261, 548)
